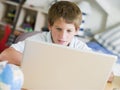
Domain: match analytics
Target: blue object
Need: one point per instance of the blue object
(99, 48)
(11, 77)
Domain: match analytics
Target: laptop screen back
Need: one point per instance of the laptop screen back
(55, 67)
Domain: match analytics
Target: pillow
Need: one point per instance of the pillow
(110, 39)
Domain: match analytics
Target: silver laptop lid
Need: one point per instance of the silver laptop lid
(55, 67)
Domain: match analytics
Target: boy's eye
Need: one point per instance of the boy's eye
(69, 30)
(59, 29)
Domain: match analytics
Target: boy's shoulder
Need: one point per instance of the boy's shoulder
(79, 44)
(43, 36)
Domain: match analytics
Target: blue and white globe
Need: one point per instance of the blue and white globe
(11, 77)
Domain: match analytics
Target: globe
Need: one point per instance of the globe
(11, 77)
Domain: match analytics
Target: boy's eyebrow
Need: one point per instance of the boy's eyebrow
(56, 26)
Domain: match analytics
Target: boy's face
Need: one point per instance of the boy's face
(62, 32)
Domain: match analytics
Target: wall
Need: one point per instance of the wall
(105, 14)
(112, 7)
(96, 20)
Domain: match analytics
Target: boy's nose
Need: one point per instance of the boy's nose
(62, 34)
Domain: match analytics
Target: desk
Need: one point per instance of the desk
(110, 86)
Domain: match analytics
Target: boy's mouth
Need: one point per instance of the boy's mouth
(61, 41)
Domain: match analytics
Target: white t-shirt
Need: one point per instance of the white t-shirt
(46, 37)
(75, 43)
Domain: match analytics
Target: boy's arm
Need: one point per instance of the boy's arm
(12, 56)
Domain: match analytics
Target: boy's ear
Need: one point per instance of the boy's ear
(77, 30)
(49, 27)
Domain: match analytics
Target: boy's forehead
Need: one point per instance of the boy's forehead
(62, 21)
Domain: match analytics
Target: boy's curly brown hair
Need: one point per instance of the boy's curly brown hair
(67, 10)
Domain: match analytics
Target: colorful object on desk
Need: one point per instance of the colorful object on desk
(5, 38)
(11, 77)
(27, 27)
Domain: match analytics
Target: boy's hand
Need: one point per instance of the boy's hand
(111, 77)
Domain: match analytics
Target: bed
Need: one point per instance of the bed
(108, 42)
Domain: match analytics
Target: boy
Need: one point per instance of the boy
(64, 19)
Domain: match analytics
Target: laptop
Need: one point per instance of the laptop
(49, 66)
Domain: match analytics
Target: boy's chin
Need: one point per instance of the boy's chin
(64, 44)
